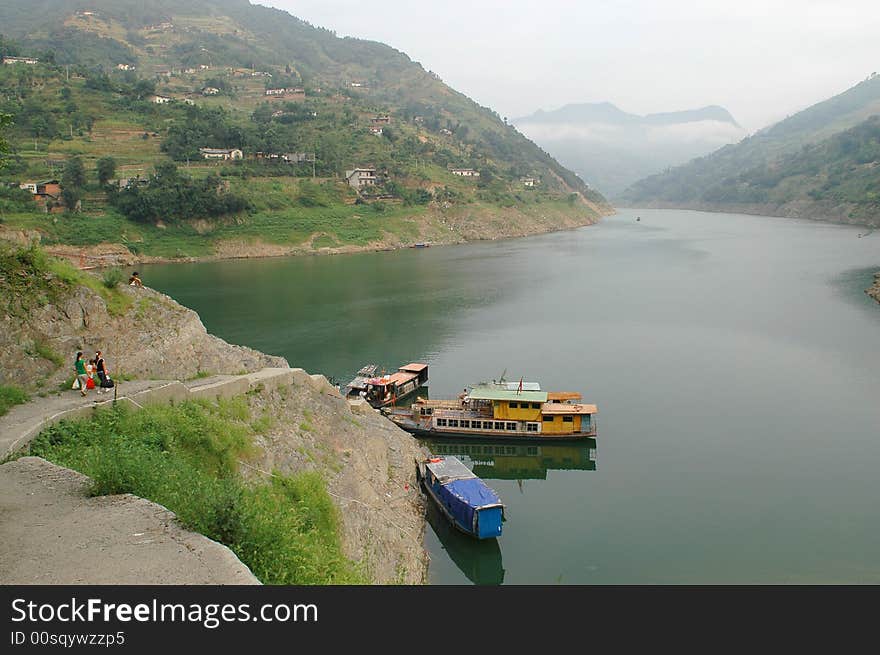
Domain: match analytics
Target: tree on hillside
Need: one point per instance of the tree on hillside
(5, 121)
(106, 168)
(74, 174)
(73, 180)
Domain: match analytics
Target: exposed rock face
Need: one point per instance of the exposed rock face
(155, 338)
(369, 464)
(874, 291)
(367, 461)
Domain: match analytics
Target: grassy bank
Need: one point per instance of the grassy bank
(30, 278)
(186, 458)
(10, 396)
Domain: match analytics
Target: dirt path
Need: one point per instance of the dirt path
(54, 533)
(24, 422)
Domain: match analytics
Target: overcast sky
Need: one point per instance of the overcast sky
(761, 59)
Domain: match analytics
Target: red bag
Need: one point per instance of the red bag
(90, 383)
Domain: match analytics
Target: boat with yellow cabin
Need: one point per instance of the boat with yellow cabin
(500, 410)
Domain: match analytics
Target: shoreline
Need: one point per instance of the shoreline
(874, 290)
(108, 254)
(827, 213)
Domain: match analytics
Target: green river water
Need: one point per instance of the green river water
(734, 360)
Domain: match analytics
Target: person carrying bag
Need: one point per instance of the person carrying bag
(103, 373)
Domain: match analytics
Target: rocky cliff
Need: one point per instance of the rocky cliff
(366, 461)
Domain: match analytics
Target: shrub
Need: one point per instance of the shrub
(112, 277)
(11, 395)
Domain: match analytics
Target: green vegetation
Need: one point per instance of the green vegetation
(29, 279)
(185, 457)
(826, 154)
(11, 395)
(112, 277)
(93, 122)
(171, 196)
(42, 349)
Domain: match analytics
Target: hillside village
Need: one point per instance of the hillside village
(258, 153)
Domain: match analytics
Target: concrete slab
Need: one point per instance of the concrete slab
(54, 533)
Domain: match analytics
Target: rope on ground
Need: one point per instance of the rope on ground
(343, 498)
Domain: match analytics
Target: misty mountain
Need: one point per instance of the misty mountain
(823, 162)
(611, 148)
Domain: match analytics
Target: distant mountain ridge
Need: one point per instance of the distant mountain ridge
(822, 162)
(611, 148)
(609, 113)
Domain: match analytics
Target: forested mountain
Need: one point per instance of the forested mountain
(611, 148)
(151, 81)
(823, 162)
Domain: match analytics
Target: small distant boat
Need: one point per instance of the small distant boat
(385, 390)
(469, 504)
(421, 245)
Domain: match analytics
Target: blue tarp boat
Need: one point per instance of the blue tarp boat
(467, 502)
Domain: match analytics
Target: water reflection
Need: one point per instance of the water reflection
(479, 560)
(336, 314)
(506, 461)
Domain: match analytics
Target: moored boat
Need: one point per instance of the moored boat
(387, 390)
(468, 503)
(507, 411)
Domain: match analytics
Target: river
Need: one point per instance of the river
(733, 359)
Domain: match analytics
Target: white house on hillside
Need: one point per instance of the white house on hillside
(361, 177)
(221, 153)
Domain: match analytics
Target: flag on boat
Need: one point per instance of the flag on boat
(519, 388)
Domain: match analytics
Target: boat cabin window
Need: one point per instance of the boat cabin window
(568, 419)
(465, 424)
(487, 425)
(531, 427)
(532, 450)
(511, 426)
(499, 425)
(426, 411)
(514, 405)
(536, 405)
(441, 422)
(453, 422)
(548, 419)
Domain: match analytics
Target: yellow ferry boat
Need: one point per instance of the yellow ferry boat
(501, 410)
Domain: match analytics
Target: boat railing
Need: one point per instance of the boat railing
(459, 413)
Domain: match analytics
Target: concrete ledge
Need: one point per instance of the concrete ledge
(360, 406)
(271, 378)
(25, 422)
(55, 533)
(167, 393)
(322, 384)
(226, 388)
(300, 377)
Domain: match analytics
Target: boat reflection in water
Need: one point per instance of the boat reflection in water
(480, 561)
(508, 461)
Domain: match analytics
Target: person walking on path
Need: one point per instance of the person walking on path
(81, 375)
(101, 368)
